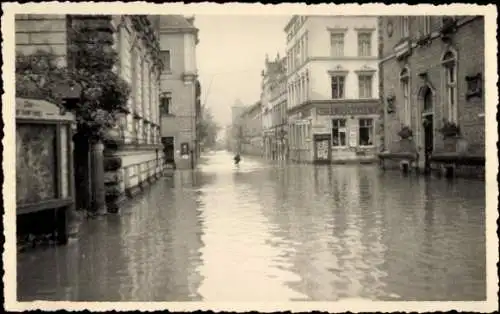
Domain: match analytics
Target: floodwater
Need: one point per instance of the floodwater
(265, 231)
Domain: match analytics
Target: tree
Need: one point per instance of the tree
(91, 58)
(208, 128)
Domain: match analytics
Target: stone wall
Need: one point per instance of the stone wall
(46, 32)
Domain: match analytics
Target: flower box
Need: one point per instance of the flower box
(405, 132)
(449, 129)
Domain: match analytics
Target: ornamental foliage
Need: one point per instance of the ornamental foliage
(449, 129)
(405, 132)
(208, 128)
(90, 65)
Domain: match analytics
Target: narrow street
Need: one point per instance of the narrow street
(265, 231)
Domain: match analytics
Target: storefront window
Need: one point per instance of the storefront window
(338, 132)
(365, 132)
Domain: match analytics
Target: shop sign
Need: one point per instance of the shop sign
(40, 109)
(320, 128)
(356, 110)
(323, 111)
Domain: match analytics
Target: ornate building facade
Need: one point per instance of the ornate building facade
(332, 88)
(432, 69)
(273, 105)
(251, 121)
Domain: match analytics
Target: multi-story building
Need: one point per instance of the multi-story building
(332, 87)
(274, 103)
(432, 69)
(180, 90)
(135, 38)
(252, 130)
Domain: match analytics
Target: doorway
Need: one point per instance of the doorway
(168, 150)
(322, 148)
(428, 128)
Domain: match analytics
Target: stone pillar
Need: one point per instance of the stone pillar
(98, 202)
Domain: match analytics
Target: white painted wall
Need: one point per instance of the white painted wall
(319, 34)
(320, 79)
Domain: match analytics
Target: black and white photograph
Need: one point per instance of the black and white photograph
(250, 157)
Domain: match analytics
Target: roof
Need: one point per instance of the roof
(176, 22)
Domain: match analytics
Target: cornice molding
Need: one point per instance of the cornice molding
(337, 30)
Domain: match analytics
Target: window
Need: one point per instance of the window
(449, 62)
(364, 44)
(426, 25)
(428, 105)
(405, 86)
(365, 86)
(165, 102)
(405, 26)
(338, 133)
(337, 44)
(365, 132)
(338, 86)
(165, 58)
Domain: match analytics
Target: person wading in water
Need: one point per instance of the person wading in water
(237, 159)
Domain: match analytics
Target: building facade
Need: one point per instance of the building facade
(252, 130)
(332, 88)
(432, 69)
(135, 39)
(274, 103)
(180, 90)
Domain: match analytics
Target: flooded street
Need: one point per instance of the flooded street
(274, 232)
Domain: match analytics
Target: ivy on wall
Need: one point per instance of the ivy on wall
(90, 64)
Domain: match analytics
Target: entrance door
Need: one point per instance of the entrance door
(428, 126)
(322, 148)
(168, 149)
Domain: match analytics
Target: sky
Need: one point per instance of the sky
(231, 55)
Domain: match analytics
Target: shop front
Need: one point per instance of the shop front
(349, 128)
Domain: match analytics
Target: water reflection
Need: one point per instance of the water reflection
(273, 232)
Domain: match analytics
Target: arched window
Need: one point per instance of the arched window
(428, 106)
(404, 77)
(449, 62)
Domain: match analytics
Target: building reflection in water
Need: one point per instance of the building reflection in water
(262, 232)
(237, 250)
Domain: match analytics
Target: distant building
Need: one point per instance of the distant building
(274, 109)
(180, 90)
(332, 87)
(252, 130)
(432, 69)
(236, 132)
